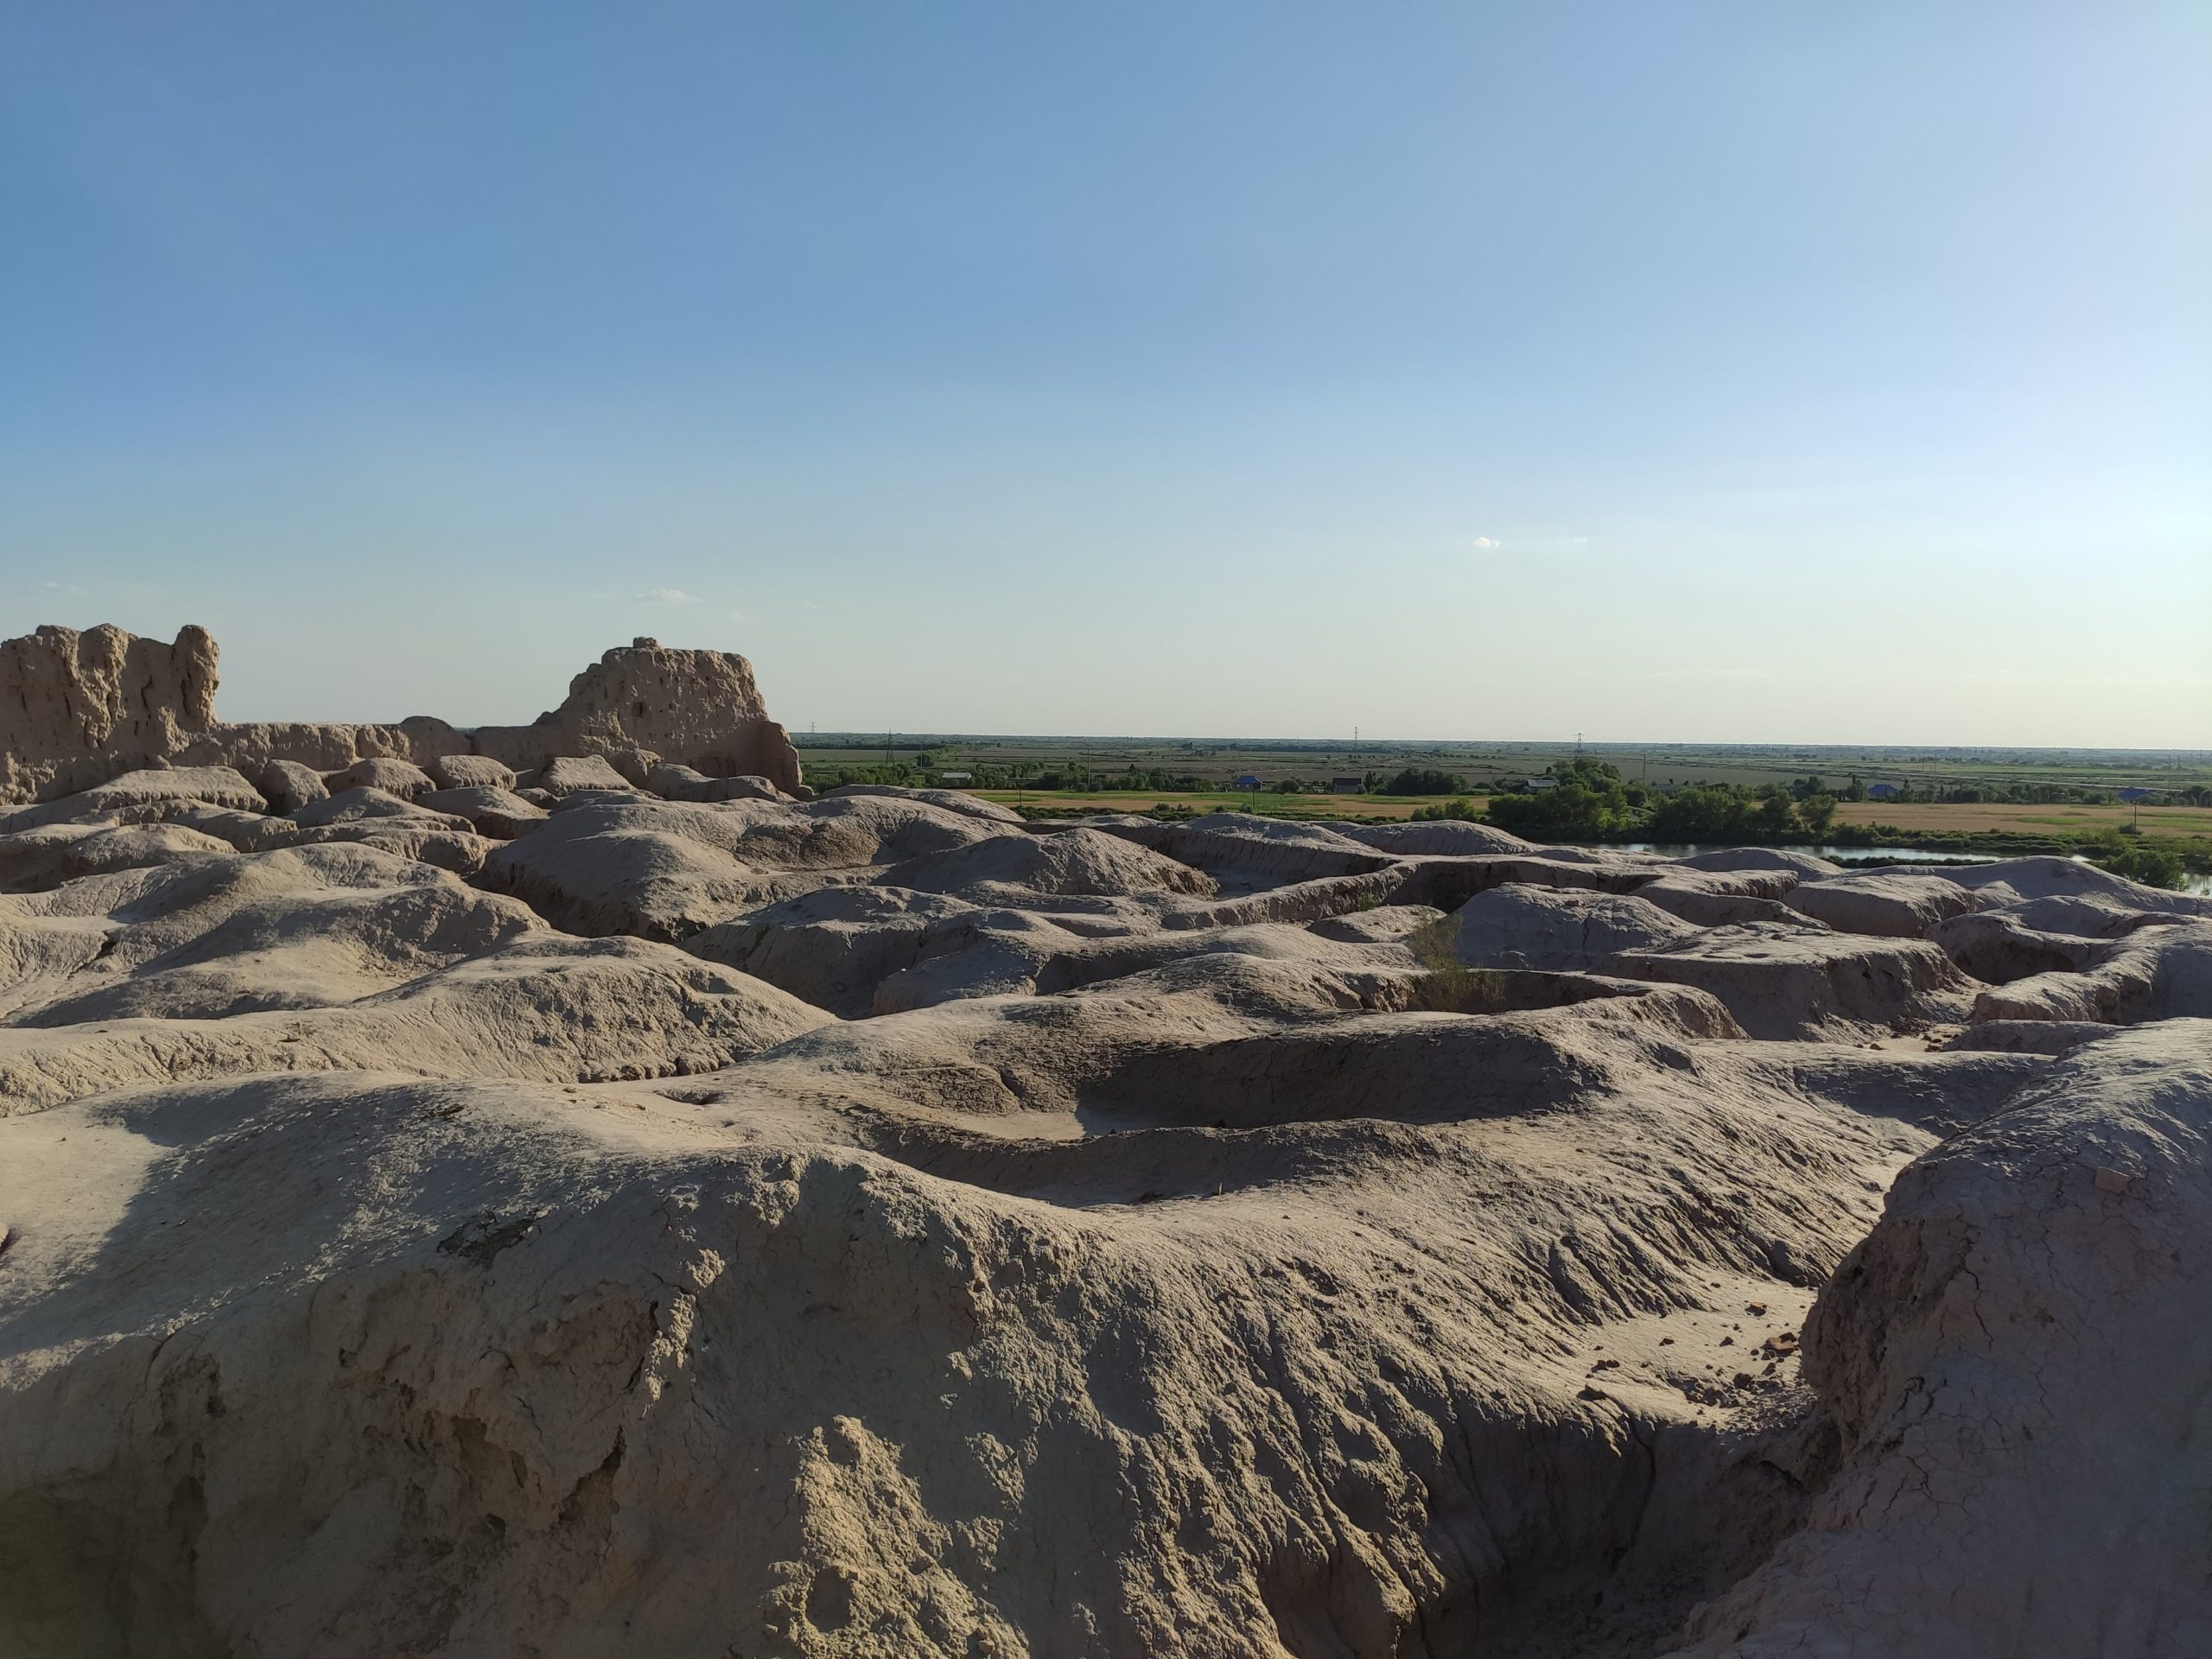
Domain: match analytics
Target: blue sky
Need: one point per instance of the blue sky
(1727, 372)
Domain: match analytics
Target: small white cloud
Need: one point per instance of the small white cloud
(666, 596)
(744, 619)
(66, 590)
(1485, 542)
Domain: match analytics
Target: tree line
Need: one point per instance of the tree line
(1589, 800)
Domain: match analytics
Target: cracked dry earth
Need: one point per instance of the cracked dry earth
(871, 1226)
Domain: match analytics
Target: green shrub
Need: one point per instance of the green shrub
(1447, 985)
(2154, 866)
(1589, 802)
(1425, 781)
(1458, 807)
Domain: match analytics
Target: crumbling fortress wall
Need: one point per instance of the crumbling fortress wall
(77, 709)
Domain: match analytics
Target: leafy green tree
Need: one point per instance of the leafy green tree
(1425, 781)
(1721, 813)
(2153, 867)
(1776, 817)
(1702, 812)
(1459, 807)
(1589, 803)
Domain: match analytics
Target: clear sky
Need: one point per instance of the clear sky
(1726, 371)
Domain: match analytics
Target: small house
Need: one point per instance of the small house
(1347, 785)
(955, 777)
(2132, 795)
(1883, 792)
(1246, 781)
(1543, 783)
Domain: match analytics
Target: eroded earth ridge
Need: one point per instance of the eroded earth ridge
(567, 1195)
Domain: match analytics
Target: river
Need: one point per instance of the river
(1864, 857)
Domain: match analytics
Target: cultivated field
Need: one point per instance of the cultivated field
(2184, 823)
(1263, 803)
(1216, 761)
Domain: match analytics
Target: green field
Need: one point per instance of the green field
(1940, 819)
(1214, 800)
(1216, 761)
(1048, 777)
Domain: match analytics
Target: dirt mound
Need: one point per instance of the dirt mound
(499, 813)
(545, 1309)
(120, 797)
(1246, 854)
(1980, 1472)
(1132, 1238)
(471, 772)
(1725, 898)
(383, 774)
(1887, 905)
(1447, 838)
(1518, 926)
(2064, 878)
(1068, 862)
(950, 800)
(565, 775)
(1786, 983)
(1804, 865)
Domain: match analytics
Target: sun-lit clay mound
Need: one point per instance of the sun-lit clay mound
(1722, 899)
(2036, 879)
(383, 773)
(487, 808)
(1073, 862)
(630, 864)
(1807, 866)
(2014, 1361)
(1783, 981)
(1447, 838)
(567, 775)
(1248, 852)
(951, 800)
(1517, 926)
(471, 772)
(1889, 905)
(666, 1216)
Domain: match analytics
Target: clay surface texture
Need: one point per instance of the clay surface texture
(559, 1191)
